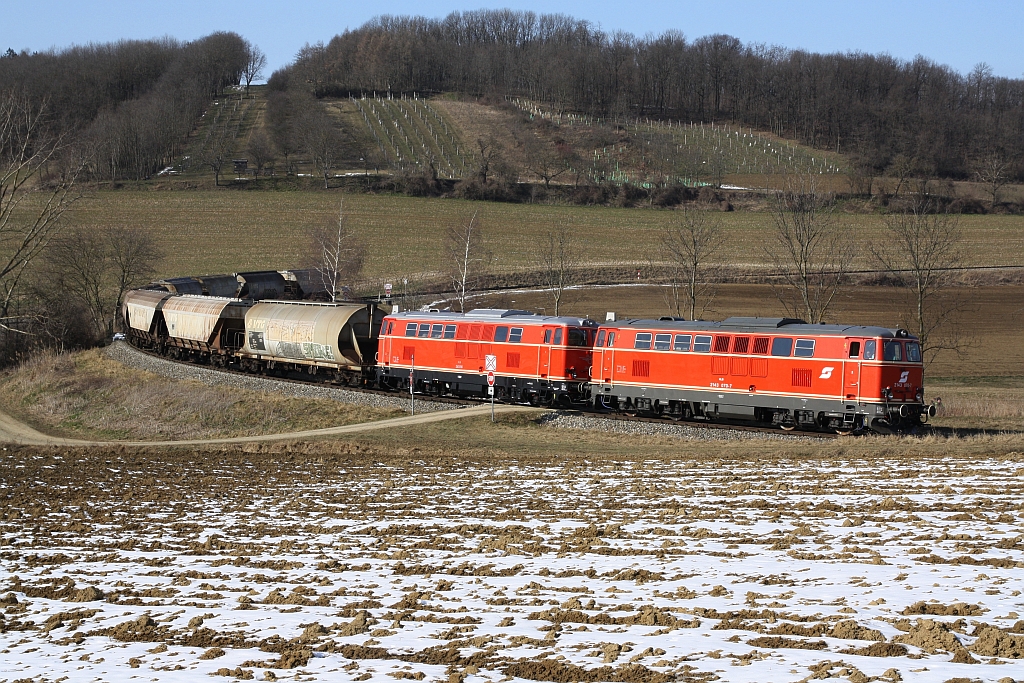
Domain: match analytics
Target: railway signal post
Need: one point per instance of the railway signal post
(491, 363)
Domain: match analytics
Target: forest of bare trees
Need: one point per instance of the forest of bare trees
(129, 105)
(875, 107)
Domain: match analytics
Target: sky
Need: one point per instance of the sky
(959, 34)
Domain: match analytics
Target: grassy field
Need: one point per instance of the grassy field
(86, 395)
(231, 231)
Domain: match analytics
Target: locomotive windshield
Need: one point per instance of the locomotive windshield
(892, 351)
(577, 337)
(913, 352)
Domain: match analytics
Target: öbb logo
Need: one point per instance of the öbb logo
(826, 372)
(903, 377)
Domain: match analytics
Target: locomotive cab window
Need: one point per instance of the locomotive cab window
(854, 349)
(804, 348)
(577, 337)
(547, 336)
(611, 339)
(662, 342)
(500, 333)
(558, 336)
(682, 342)
(384, 327)
(424, 330)
(600, 338)
(702, 343)
(913, 352)
(869, 349)
(436, 331)
(643, 340)
(410, 329)
(892, 351)
(515, 335)
(449, 331)
(782, 346)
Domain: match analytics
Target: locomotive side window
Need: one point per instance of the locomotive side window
(869, 349)
(643, 340)
(662, 342)
(547, 336)
(600, 338)
(782, 346)
(449, 331)
(424, 330)
(410, 329)
(611, 339)
(702, 343)
(682, 342)
(804, 348)
(558, 336)
(515, 335)
(391, 328)
(436, 331)
(892, 351)
(577, 337)
(854, 349)
(913, 352)
(500, 333)
(384, 327)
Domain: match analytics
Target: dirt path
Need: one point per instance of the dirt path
(12, 431)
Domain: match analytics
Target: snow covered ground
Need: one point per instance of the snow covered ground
(143, 567)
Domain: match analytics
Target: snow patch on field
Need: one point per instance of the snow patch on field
(276, 567)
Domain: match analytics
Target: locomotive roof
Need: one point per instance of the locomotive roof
(498, 315)
(763, 326)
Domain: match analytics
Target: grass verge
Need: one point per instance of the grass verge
(88, 396)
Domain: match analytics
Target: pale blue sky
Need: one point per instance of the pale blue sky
(960, 34)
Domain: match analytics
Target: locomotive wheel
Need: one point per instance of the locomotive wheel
(787, 427)
(844, 432)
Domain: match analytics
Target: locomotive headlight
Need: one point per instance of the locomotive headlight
(919, 396)
(887, 393)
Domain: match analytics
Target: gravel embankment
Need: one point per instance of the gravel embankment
(688, 432)
(132, 357)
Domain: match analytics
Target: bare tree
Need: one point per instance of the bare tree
(261, 149)
(690, 245)
(322, 141)
(561, 261)
(809, 250)
(133, 254)
(216, 152)
(544, 160)
(465, 256)
(77, 264)
(923, 251)
(902, 168)
(488, 150)
(255, 62)
(337, 253)
(27, 227)
(994, 170)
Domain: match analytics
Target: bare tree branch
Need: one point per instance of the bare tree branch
(337, 252)
(809, 249)
(690, 244)
(465, 258)
(923, 251)
(561, 261)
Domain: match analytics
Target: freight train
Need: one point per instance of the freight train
(773, 372)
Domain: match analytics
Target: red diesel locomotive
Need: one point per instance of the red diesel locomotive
(776, 371)
(538, 359)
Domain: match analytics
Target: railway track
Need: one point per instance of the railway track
(296, 378)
